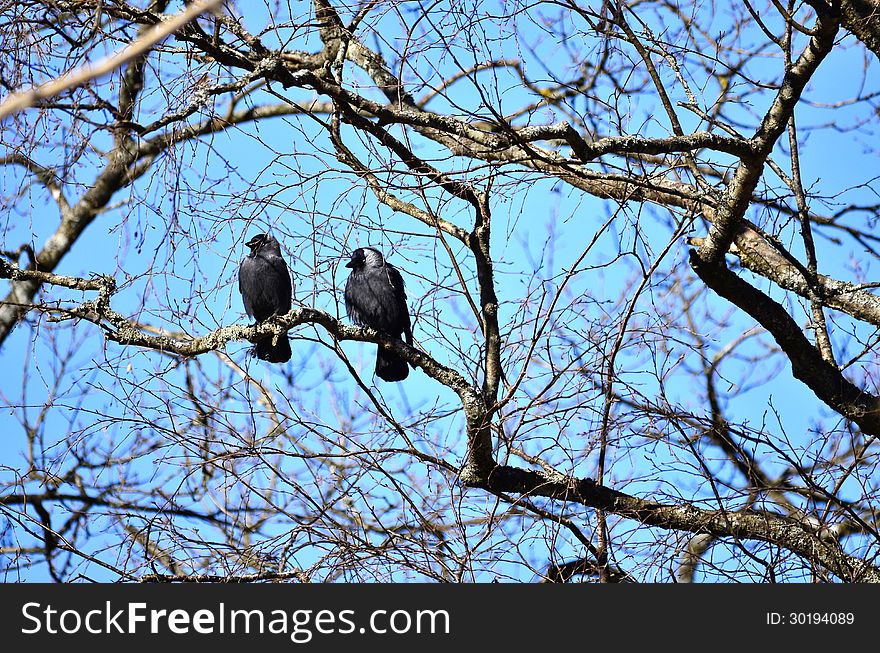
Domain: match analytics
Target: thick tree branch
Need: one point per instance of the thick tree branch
(765, 257)
(737, 195)
(861, 18)
(791, 534)
(807, 364)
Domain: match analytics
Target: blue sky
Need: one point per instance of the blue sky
(174, 245)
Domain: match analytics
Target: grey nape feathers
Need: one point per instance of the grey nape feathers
(375, 298)
(264, 282)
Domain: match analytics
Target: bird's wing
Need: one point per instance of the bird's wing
(246, 281)
(284, 285)
(396, 281)
(265, 286)
(364, 299)
(370, 301)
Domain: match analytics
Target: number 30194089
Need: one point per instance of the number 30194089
(810, 618)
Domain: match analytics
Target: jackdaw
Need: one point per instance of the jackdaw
(264, 282)
(375, 298)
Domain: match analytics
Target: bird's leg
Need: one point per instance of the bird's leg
(278, 329)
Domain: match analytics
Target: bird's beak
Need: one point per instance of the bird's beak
(350, 264)
(252, 242)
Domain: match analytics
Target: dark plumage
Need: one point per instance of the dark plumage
(264, 282)
(375, 298)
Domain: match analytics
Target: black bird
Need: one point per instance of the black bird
(264, 282)
(375, 298)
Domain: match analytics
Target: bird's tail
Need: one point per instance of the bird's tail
(278, 352)
(390, 367)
